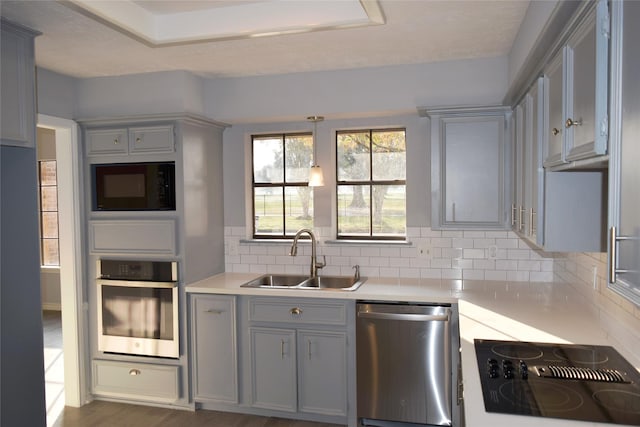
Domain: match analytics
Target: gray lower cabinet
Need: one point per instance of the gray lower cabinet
(214, 348)
(299, 356)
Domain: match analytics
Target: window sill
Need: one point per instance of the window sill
(328, 242)
(50, 268)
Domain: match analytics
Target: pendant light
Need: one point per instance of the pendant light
(316, 179)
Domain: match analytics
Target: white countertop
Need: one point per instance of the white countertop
(542, 312)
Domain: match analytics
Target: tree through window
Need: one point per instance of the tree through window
(282, 199)
(371, 184)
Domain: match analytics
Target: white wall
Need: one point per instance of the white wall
(360, 92)
(56, 94)
(139, 94)
(534, 21)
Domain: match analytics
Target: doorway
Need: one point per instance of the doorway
(73, 317)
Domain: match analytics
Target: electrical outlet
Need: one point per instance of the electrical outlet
(492, 253)
(423, 251)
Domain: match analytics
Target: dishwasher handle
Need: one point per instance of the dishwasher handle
(406, 316)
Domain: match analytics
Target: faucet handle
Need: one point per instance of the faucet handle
(321, 264)
(357, 274)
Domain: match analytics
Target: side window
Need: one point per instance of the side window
(371, 184)
(282, 199)
(50, 255)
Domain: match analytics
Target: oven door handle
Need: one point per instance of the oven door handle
(405, 316)
(137, 284)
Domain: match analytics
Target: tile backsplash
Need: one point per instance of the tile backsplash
(429, 254)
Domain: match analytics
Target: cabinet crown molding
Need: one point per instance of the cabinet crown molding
(463, 110)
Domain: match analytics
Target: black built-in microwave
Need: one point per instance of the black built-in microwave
(134, 186)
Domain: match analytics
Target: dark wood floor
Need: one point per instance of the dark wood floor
(110, 414)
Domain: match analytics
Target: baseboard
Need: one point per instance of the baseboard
(52, 306)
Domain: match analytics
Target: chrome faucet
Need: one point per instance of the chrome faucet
(315, 264)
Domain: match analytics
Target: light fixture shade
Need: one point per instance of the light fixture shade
(316, 179)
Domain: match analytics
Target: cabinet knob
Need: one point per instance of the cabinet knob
(116, 141)
(138, 140)
(295, 311)
(571, 122)
(555, 131)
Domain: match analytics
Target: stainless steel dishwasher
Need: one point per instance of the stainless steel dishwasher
(405, 364)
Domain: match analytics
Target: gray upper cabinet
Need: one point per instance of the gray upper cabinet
(132, 140)
(18, 110)
(577, 89)
(468, 164)
(624, 174)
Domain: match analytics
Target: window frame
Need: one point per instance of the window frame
(282, 184)
(41, 213)
(370, 183)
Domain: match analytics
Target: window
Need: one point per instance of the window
(50, 248)
(282, 199)
(371, 184)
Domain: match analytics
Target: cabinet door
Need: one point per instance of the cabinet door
(273, 369)
(519, 146)
(17, 85)
(152, 139)
(554, 151)
(624, 174)
(534, 179)
(106, 141)
(322, 382)
(468, 168)
(213, 348)
(586, 87)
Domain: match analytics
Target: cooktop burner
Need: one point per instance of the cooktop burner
(578, 382)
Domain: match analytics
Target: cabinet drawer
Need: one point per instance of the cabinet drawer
(139, 381)
(157, 237)
(152, 139)
(297, 311)
(107, 141)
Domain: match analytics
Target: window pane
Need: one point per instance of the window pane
(389, 212)
(50, 252)
(269, 218)
(298, 209)
(48, 172)
(267, 159)
(353, 156)
(49, 225)
(353, 210)
(298, 152)
(49, 199)
(389, 155)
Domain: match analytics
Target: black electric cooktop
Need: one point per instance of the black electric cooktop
(576, 382)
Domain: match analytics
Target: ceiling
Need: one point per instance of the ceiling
(219, 38)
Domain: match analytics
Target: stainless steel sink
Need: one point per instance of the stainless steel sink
(276, 281)
(338, 283)
(292, 281)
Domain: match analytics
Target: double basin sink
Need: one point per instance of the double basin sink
(291, 281)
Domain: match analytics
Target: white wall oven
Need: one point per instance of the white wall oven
(138, 308)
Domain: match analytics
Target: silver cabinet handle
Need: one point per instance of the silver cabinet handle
(532, 215)
(214, 311)
(138, 140)
(406, 316)
(520, 221)
(116, 141)
(513, 215)
(613, 254)
(571, 122)
(309, 348)
(135, 372)
(295, 311)
(282, 349)
(460, 388)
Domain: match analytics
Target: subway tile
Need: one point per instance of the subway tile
(452, 233)
(419, 262)
(400, 262)
(430, 273)
(518, 276)
(248, 259)
(410, 273)
(460, 242)
(473, 253)
(443, 242)
(390, 252)
(409, 252)
(379, 261)
(507, 243)
(517, 254)
(449, 253)
(428, 232)
(484, 264)
(541, 276)
(413, 232)
(529, 265)
(389, 272)
(462, 263)
(452, 273)
(506, 265)
(495, 275)
(474, 234)
(472, 274)
(266, 259)
(350, 251)
(483, 243)
(496, 234)
(367, 251)
(441, 263)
